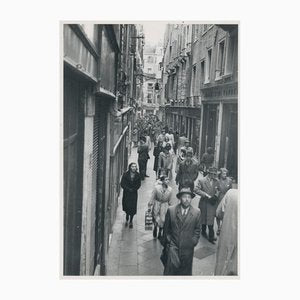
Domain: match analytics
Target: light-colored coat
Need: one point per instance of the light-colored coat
(227, 252)
(208, 210)
(160, 202)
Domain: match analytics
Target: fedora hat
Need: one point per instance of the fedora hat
(185, 190)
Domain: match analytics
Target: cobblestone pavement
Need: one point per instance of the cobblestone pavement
(135, 251)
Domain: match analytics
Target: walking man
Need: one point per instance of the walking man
(143, 157)
(188, 170)
(208, 189)
(181, 234)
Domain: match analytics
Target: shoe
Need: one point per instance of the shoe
(126, 224)
(147, 176)
(130, 225)
(155, 232)
(212, 241)
(218, 232)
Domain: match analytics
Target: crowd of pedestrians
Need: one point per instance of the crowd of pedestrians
(179, 227)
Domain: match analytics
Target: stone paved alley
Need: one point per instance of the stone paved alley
(135, 251)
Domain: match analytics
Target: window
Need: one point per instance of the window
(221, 59)
(89, 29)
(149, 70)
(196, 33)
(202, 71)
(209, 52)
(149, 98)
(193, 81)
(231, 54)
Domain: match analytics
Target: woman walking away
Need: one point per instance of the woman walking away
(130, 182)
(159, 203)
(225, 184)
(227, 252)
(165, 162)
(156, 151)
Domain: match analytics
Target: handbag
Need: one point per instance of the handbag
(148, 220)
(213, 200)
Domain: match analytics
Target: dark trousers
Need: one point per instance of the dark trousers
(142, 167)
(211, 232)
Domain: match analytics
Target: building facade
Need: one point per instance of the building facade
(99, 67)
(200, 82)
(152, 80)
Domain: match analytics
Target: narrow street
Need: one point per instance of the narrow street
(135, 251)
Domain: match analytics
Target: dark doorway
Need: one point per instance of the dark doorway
(73, 168)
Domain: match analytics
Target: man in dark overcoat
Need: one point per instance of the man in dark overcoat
(188, 170)
(208, 189)
(181, 234)
(143, 157)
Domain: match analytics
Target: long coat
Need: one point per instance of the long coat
(187, 172)
(165, 163)
(181, 235)
(207, 208)
(130, 194)
(227, 252)
(156, 152)
(160, 202)
(224, 186)
(143, 152)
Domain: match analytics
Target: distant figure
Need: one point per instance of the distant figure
(188, 170)
(170, 135)
(165, 162)
(135, 136)
(225, 184)
(181, 141)
(208, 189)
(207, 160)
(159, 203)
(181, 235)
(176, 137)
(187, 146)
(156, 151)
(227, 252)
(148, 143)
(180, 159)
(161, 137)
(130, 183)
(143, 157)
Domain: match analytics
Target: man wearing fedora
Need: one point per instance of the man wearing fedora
(187, 146)
(181, 234)
(208, 189)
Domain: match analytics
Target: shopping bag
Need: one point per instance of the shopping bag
(148, 220)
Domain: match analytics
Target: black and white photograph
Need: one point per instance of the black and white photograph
(150, 149)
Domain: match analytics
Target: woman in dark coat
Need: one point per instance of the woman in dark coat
(130, 182)
(156, 152)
